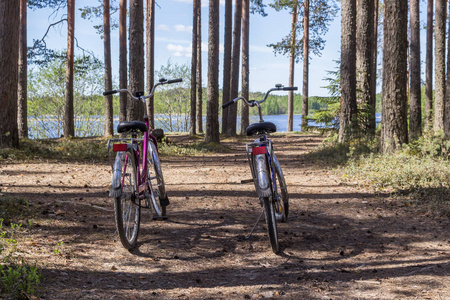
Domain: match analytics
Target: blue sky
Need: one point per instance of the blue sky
(173, 41)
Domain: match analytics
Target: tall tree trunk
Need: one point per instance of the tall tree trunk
(135, 109)
(305, 66)
(447, 93)
(395, 129)
(150, 61)
(439, 67)
(364, 62)
(22, 115)
(290, 112)
(348, 113)
(429, 68)
(373, 77)
(245, 64)
(9, 58)
(109, 118)
(415, 111)
(69, 128)
(227, 62)
(123, 69)
(212, 106)
(199, 72)
(234, 87)
(193, 122)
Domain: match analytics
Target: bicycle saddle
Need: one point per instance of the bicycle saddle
(131, 126)
(263, 127)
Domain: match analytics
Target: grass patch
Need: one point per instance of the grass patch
(332, 153)
(421, 169)
(191, 149)
(73, 149)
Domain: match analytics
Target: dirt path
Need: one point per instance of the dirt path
(341, 242)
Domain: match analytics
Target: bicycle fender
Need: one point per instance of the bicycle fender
(116, 188)
(262, 175)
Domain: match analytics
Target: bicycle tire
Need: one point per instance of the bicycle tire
(156, 178)
(127, 207)
(269, 211)
(280, 194)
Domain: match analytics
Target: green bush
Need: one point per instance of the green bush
(18, 279)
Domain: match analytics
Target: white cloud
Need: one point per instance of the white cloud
(179, 50)
(163, 27)
(183, 28)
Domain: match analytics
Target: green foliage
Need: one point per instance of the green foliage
(431, 145)
(73, 149)
(172, 101)
(46, 90)
(18, 280)
(321, 14)
(96, 12)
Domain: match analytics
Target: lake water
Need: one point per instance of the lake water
(96, 125)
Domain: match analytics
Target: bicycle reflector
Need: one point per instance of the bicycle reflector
(259, 150)
(119, 147)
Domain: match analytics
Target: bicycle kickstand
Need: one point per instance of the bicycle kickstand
(254, 226)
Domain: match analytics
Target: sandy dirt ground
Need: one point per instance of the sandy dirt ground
(341, 241)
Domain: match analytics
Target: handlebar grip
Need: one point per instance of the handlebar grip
(290, 88)
(175, 80)
(228, 104)
(106, 93)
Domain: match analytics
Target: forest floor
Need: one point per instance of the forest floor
(341, 241)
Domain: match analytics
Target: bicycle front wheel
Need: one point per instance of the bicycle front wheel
(269, 212)
(127, 206)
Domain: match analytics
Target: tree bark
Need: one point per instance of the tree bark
(9, 58)
(123, 69)
(348, 113)
(447, 93)
(22, 115)
(69, 128)
(415, 111)
(245, 65)
(135, 109)
(150, 54)
(305, 66)
(109, 118)
(234, 87)
(373, 86)
(439, 67)
(394, 131)
(365, 64)
(199, 73)
(290, 111)
(212, 107)
(193, 115)
(227, 62)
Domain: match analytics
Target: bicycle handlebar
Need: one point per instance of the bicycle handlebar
(140, 95)
(252, 103)
(110, 92)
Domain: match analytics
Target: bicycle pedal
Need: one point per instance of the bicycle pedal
(247, 181)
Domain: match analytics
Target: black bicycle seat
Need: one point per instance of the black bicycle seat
(260, 128)
(127, 126)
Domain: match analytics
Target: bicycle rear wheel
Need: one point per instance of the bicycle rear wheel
(280, 193)
(269, 212)
(127, 207)
(156, 179)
